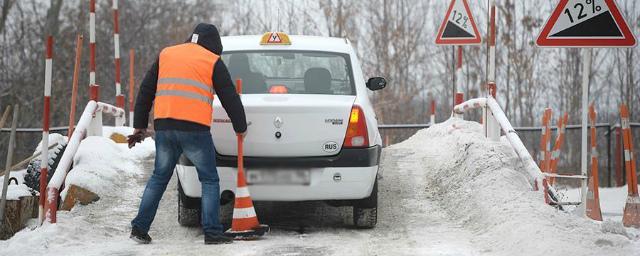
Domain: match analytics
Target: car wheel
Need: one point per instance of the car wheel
(186, 216)
(226, 215)
(365, 211)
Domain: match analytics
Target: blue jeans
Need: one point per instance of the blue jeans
(197, 147)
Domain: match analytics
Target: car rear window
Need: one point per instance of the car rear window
(292, 72)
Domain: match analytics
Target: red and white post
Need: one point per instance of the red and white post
(491, 126)
(433, 112)
(116, 55)
(44, 147)
(132, 85)
(93, 87)
(459, 99)
(459, 80)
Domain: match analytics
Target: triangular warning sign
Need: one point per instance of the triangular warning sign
(586, 23)
(274, 38)
(458, 27)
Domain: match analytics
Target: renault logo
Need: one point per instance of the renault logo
(278, 122)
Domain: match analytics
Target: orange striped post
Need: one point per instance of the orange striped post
(545, 142)
(557, 146)
(593, 195)
(631, 216)
(245, 224)
(618, 157)
(116, 55)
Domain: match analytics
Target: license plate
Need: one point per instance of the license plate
(278, 177)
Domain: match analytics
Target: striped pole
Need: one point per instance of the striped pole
(74, 88)
(44, 147)
(116, 52)
(459, 99)
(557, 146)
(433, 112)
(459, 83)
(631, 214)
(593, 195)
(131, 85)
(491, 73)
(94, 89)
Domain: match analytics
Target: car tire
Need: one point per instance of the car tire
(32, 176)
(187, 217)
(226, 215)
(365, 211)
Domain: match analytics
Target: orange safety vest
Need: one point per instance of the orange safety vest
(185, 84)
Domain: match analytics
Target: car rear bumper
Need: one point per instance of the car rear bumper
(355, 183)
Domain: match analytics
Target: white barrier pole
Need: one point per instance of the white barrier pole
(530, 165)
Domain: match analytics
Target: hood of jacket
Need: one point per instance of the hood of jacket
(208, 37)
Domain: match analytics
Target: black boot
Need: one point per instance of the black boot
(139, 236)
(217, 239)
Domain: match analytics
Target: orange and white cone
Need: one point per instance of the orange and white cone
(631, 215)
(245, 224)
(593, 195)
(593, 202)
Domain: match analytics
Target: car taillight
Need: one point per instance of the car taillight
(357, 135)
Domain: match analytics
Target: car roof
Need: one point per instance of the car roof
(298, 42)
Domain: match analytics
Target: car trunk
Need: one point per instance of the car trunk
(307, 125)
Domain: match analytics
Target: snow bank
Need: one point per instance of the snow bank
(482, 183)
(102, 166)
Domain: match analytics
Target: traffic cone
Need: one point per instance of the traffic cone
(593, 202)
(592, 209)
(245, 224)
(631, 217)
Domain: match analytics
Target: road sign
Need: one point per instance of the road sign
(586, 23)
(458, 27)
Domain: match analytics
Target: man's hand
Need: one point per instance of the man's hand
(137, 136)
(242, 135)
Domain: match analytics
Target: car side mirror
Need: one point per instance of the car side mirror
(376, 83)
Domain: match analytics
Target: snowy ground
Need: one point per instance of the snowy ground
(445, 191)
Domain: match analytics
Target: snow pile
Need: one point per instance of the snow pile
(482, 184)
(15, 192)
(54, 138)
(102, 166)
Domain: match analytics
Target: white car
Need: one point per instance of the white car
(312, 132)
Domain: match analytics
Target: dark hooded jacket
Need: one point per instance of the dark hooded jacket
(209, 38)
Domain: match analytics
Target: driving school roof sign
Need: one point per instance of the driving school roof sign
(458, 27)
(586, 23)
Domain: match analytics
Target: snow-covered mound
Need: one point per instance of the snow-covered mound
(482, 184)
(102, 166)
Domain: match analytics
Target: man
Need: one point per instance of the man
(182, 82)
